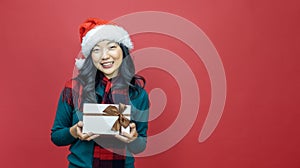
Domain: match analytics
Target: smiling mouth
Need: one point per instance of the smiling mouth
(107, 64)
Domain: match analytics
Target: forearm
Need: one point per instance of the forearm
(62, 137)
(61, 132)
(139, 144)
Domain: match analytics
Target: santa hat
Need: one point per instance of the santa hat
(94, 30)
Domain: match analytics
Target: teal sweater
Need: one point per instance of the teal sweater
(81, 152)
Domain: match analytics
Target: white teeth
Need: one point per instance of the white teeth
(107, 63)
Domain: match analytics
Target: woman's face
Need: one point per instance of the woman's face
(107, 57)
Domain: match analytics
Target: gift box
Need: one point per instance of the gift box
(106, 119)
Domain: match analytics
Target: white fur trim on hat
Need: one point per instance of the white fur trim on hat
(79, 62)
(105, 32)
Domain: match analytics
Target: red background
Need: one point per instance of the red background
(258, 42)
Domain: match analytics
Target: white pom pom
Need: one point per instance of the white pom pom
(79, 63)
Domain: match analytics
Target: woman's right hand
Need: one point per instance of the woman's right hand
(76, 132)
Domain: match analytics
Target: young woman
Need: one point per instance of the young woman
(106, 75)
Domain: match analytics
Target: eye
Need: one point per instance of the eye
(112, 47)
(96, 50)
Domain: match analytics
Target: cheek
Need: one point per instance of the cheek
(118, 55)
(118, 63)
(95, 58)
(118, 59)
(95, 61)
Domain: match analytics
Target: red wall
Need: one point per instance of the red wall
(257, 41)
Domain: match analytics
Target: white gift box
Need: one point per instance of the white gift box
(98, 122)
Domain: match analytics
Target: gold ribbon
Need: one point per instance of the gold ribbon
(122, 120)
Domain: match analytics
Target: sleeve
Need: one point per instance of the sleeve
(140, 118)
(60, 132)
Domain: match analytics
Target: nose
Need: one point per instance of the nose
(105, 54)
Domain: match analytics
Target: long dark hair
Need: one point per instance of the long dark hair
(89, 77)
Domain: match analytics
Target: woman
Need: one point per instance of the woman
(106, 75)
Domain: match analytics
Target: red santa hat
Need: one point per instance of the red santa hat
(94, 30)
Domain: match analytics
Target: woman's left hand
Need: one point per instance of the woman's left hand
(127, 138)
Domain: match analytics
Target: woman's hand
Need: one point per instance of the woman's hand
(127, 138)
(76, 132)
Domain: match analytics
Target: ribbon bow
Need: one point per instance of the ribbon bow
(122, 120)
